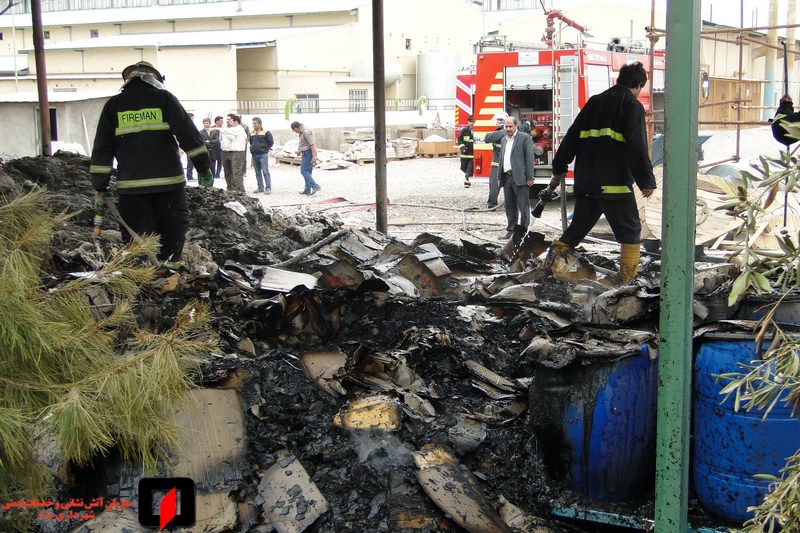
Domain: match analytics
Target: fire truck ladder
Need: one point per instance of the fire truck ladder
(565, 89)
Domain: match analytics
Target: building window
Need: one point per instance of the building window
(46, 34)
(1, 36)
(94, 34)
(307, 103)
(358, 99)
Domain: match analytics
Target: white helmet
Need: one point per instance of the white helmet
(500, 118)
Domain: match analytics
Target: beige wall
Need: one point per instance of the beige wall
(312, 63)
(70, 117)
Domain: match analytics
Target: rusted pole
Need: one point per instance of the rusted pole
(651, 127)
(739, 84)
(757, 28)
(41, 76)
(378, 70)
(747, 39)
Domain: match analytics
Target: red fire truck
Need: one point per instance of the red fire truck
(547, 87)
(465, 93)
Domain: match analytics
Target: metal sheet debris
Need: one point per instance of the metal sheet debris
(276, 279)
(213, 448)
(326, 369)
(456, 491)
(290, 499)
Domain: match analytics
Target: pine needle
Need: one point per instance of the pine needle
(61, 374)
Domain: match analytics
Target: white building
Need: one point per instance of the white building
(306, 56)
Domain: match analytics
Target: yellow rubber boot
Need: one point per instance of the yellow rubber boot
(628, 262)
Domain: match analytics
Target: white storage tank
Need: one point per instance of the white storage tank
(436, 74)
(392, 72)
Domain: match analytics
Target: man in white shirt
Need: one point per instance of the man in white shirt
(516, 175)
(233, 140)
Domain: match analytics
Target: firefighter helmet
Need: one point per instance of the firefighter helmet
(500, 118)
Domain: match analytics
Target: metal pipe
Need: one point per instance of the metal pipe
(739, 84)
(41, 76)
(726, 123)
(379, 74)
(770, 60)
(723, 102)
(757, 28)
(678, 222)
(708, 165)
(748, 39)
(791, 17)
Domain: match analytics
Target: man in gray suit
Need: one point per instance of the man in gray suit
(516, 175)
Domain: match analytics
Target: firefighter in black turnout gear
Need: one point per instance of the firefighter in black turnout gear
(143, 127)
(494, 138)
(609, 145)
(785, 116)
(465, 147)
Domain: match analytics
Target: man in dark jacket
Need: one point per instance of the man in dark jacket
(261, 142)
(211, 140)
(609, 145)
(785, 116)
(139, 128)
(495, 138)
(465, 147)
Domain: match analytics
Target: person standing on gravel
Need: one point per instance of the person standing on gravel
(466, 144)
(233, 140)
(261, 142)
(211, 139)
(307, 150)
(516, 175)
(139, 128)
(495, 138)
(217, 166)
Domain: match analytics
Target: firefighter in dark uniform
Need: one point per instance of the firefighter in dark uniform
(143, 127)
(786, 115)
(494, 138)
(609, 145)
(465, 147)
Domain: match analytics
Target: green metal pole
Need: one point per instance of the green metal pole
(677, 268)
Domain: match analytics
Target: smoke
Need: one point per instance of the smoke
(381, 450)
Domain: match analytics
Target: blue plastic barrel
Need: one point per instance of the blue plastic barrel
(595, 423)
(731, 447)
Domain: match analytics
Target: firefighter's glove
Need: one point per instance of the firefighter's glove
(98, 224)
(546, 194)
(100, 202)
(205, 178)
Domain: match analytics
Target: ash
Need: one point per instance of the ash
(358, 472)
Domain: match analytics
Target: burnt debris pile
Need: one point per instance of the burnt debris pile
(360, 383)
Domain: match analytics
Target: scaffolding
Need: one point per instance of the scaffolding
(739, 104)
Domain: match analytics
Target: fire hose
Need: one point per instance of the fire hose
(99, 217)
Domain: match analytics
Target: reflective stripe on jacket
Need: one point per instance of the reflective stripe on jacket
(142, 128)
(466, 142)
(609, 145)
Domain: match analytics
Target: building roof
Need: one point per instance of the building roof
(10, 64)
(53, 97)
(241, 38)
(231, 9)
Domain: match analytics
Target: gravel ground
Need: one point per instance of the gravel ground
(427, 194)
